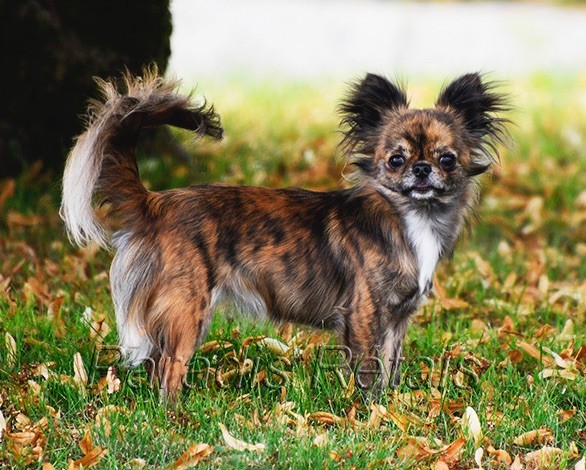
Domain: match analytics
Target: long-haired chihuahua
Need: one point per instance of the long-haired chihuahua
(359, 261)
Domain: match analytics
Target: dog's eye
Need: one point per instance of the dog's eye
(396, 161)
(447, 161)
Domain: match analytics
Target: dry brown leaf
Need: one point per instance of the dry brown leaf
(214, 345)
(416, 449)
(507, 326)
(99, 328)
(544, 331)
(251, 340)
(517, 465)
(79, 372)
(441, 465)
(16, 219)
(351, 387)
(137, 463)
(10, 350)
(565, 415)
(478, 454)
(567, 331)
(542, 457)
(478, 327)
(401, 421)
(112, 381)
(322, 417)
(541, 436)
(501, 456)
(2, 425)
(535, 353)
(86, 445)
(192, 456)
(335, 456)
(7, 191)
(453, 303)
(102, 418)
(47, 466)
(515, 356)
(559, 361)
(471, 425)
(237, 444)
(21, 438)
(275, 346)
(21, 421)
(89, 460)
(452, 452)
(321, 439)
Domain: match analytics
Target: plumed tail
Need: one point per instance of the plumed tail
(101, 167)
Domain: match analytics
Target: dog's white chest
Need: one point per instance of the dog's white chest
(426, 245)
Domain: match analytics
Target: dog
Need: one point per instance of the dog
(359, 261)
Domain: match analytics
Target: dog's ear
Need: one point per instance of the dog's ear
(364, 109)
(477, 103)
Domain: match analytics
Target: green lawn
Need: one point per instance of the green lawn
(506, 336)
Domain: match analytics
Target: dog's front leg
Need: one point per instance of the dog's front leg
(390, 352)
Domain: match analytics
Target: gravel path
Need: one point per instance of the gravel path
(338, 39)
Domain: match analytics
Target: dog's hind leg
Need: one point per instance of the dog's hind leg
(180, 323)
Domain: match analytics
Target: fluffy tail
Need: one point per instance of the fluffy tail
(101, 167)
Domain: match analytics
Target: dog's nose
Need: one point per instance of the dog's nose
(421, 169)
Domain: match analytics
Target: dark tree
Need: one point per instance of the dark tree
(50, 50)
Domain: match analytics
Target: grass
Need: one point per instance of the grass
(506, 336)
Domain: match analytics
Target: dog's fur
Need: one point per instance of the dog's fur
(358, 261)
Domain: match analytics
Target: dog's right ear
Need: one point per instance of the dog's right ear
(364, 109)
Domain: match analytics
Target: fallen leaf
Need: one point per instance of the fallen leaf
(507, 327)
(451, 453)
(471, 425)
(441, 465)
(515, 356)
(237, 444)
(320, 440)
(2, 425)
(192, 456)
(565, 415)
(21, 421)
(112, 381)
(517, 465)
(501, 456)
(535, 353)
(478, 454)
(86, 445)
(89, 460)
(335, 456)
(541, 435)
(10, 350)
(7, 191)
(137, 463)
(416, 449)
(214, 345)
(275, 346)
(323, 417)
(21, 438)
(16, 219)
(79, 372)
(543, 457)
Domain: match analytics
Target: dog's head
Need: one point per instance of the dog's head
(424, 155)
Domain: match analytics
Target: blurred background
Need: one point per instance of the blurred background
(50, 50)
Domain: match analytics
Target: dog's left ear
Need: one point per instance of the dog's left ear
(364, 110)
(477, 103)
